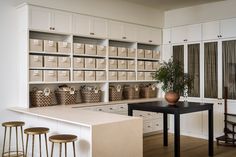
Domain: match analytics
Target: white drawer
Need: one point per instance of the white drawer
(157, 125)
(140, 53)
(156, 54)
(90, 49)
(36, 61)
(78, 48)
(50, 76)
(78, 76)
(113, 64)
(112, 108)
(148, 65)
(156, 65)
(131, 52)
(122, 64)
(148, 76)
(102, 108)
(50, 61)
(156, 115)
(63, 76)
(100, 75)
(147, 127)
(131, 64)
(36, 75)
(90, 63)
(113, 51)
(141, 76)
(122, 52)
(140, 65)
(64, 47)
(36, 45)
(89, 75)
(64, 62)
(78, 62)
(122, 107)
(148, 54)
(122, 75)
(101, 63)
(131, 76)
(50, 46)
(101, 50)
(113, 75)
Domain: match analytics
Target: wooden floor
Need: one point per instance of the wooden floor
(190, 147)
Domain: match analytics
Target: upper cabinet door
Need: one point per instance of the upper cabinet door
(40, 18)
(167, 36)
(143, 34)
(98, 27)
(81, 24)
(228, 28)
(155, 36)
(115, 30)
(210, 30)
(130, 32)
(194, 32)
(62, 22)
(179, 34)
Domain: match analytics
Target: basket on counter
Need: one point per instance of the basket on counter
(115, 93)
(148, 91)
(91, 94)
(40, 98)
(66, 95)
(131, 92)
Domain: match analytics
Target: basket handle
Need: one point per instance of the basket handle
(72, 90)
(118, 88)
(46, 91)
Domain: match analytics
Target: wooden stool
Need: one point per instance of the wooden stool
(63, 138)
(13, 124)
(36, 131)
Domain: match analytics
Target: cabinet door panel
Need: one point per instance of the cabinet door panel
(142, 34)
(155, 36)
(167, 52)
(228, 28)
(99, 27)
(62, 21)
(167, 36)
(210, 30)
(194, 32)
(130, 32)
(81, 24)
(179, 34)
(115, 30)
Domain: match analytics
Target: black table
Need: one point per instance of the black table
(177, 109)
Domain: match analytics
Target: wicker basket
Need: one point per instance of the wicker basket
(149, 91)
(91, 95)
(66, 97)
(115, 93)
(131, 92)
(40, 98)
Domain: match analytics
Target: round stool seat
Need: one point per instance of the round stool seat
(13, 124)
(36, 131)
(63, 138)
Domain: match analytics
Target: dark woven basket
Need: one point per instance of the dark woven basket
(39, 99)
(91, 96)
(148, 92)
(66, 97)
(115, 94)
(131, 92)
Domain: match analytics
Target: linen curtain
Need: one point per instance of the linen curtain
(229, 67)
(210, 70)
(178, 54)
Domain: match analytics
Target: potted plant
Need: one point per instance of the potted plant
(174, 81)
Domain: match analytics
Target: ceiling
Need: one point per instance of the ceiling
(170, 4)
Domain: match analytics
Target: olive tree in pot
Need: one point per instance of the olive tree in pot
(174, 81)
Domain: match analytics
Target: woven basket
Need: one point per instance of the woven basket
(148, 91)
(115, 93)
(131, 92)
(66, 97)
(39, 98)
(91, 96)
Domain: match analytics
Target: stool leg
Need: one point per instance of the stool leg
(17, 141)
(60, 150)
(22, 139)
(4, 142)
(40, 148)
(74, 149)
(33, 147)
(46, 143)
(26, 147)
(52, 149)
(9, 142)
(65, 149)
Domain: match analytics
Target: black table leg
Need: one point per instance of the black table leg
(165, 130)
(210, 133)
(177, 135)
(130, 111)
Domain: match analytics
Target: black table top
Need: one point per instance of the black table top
(163, 107)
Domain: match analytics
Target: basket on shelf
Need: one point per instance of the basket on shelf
(148, 91)
(91, 94)
(40, 98)
(131, 92)
(66, 95)
(115, 93)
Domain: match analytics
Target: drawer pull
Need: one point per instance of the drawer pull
(99, 109)
(123, 37)
(91, 33)
(149, 126)
(150, 41)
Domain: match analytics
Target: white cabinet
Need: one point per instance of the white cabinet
(49, 20)
(99, 27)
(211, 30)
(179, 34)
(130, 32)
(166, 52)
(194, 33)
(149, 35)
(167, 36)
(228, 28)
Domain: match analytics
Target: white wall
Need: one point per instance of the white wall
(200, 13)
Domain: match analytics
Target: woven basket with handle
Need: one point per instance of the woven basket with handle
(40, 98)
(131, 92)
(115, 93)
(91, 94)
(149, 91)
(66, 97)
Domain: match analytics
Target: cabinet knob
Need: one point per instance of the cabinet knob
(169, 42)
(50, 28)
(124, 38)
(150, 41)
(91, 33)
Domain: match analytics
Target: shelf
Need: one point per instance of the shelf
(146, 70)
(117, 57)
(89, 69)
(148, 59)
(137, 81)
(66, 82)
(49, 53)
(86, 55)
(133, 70)
(46, 68)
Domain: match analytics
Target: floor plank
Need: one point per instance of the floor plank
(190, 147)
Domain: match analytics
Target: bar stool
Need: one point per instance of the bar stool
(36, 131)
(16, 125)
(63, 138)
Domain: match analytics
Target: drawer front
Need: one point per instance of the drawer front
(64, 47)
(122, 108)
(131, 52)
(156, 65)
(122, 52)
(148, 76)
(78, 48)
(122, 76)
(131, 76)
(101, 63)
(90, 49)
(156, 54)
(36, 61)
(148, 54)
(157, 125)
(113, 51)
(100, 75)
(141, 76)
(156, 115)
(36, 45)
(78, 62)
(131, 65)
(113, 64)
(78, 76)
(50, 46)
(36, 76)
(63, 76)
(89, 75)
(147, 127)
(140, 65)
(90, 63)
(122, 64)
(112, 108)
(140, 53)
(64, 62)
(148, 65)
(113, 75)
(50, 76)
(50, 61)
(101, 50)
